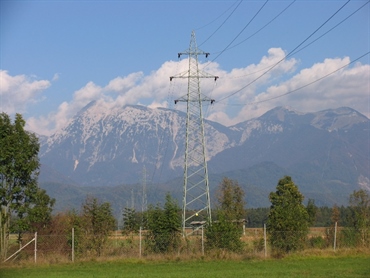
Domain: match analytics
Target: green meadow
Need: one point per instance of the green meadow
(295, 266)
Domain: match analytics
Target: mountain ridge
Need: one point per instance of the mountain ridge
(104, 146)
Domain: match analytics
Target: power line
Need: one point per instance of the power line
(196, 29)
(240, 31)
(222, 23)
(331, 29)
(263, 27)
(289, 54)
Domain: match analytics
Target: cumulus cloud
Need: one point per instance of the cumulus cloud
(240, 94)
(17, 92)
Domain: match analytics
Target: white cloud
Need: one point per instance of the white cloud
(347, 87)
(122, 84)
(155, 104)
(17, 92)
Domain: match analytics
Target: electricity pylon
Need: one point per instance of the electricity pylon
(196, 200)
(144, 202)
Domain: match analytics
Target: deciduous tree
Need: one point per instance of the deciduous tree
(37, 216)
(98, 222)
(231, 199)
(360, 221)
(19, 169)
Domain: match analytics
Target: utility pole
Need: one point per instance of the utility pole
(196, 199)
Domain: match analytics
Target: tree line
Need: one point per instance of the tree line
(257, 217)
(27, 208)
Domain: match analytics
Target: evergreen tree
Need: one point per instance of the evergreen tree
(288, 218)
(130, 221)
(312, 212)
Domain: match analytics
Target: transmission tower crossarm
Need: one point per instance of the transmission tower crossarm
(195, 76)
(193, 53)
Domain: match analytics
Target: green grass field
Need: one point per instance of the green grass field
(344, 266)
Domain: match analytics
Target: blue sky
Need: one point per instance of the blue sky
(57, 56)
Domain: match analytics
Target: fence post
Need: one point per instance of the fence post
(73, 244)
(140, 242)
(335, 235)
(35, 247)
(264, 239)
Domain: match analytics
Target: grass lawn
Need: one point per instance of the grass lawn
(346, 266)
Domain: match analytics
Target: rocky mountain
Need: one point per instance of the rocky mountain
(110, 146)
(327, 153)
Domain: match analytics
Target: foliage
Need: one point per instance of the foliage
(317, 242)
(38, 215)
(225, 233)
(256, 217)
(19, 193)
(360, 218)
(287, 224)
(163, 226)
(97, 223)
(312, 212)
(131, 221)
(335, 218)
(231, 199)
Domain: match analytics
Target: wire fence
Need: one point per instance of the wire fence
(67, 247)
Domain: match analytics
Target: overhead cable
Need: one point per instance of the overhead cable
(222, 23)
(263, 27)
(335, 26)
(331, 29)
(217, 17)
(241, 31)
(289, 54)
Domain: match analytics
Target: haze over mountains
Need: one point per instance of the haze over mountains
(106, 150)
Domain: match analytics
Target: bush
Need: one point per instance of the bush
(224, 234)
(163, 227)
(317, 242)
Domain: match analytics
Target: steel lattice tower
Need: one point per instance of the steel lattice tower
(196, 199)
